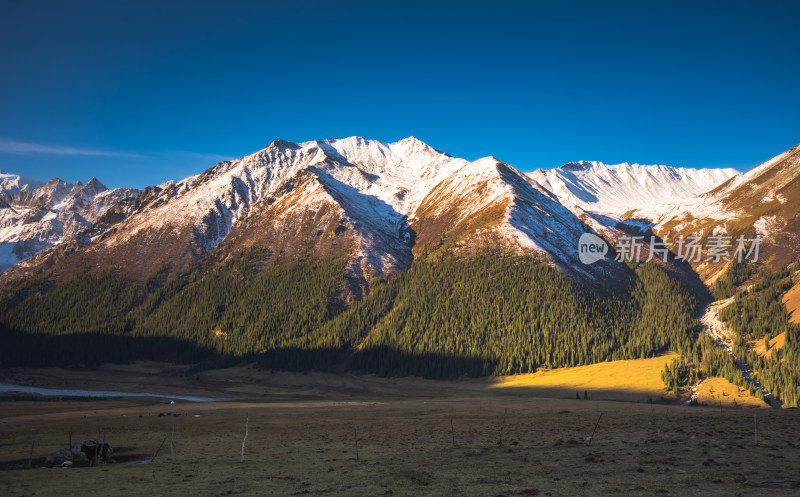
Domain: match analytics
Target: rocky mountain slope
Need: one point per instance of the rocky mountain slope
(763, 202)
(36, 216)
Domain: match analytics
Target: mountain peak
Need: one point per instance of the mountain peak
(414, 143)
(280, 143)
(94, 186)
(489, 160)
(56, 182)
(411, 140)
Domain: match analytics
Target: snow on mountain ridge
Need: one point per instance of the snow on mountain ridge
(614, 190)
(375, 201)
(399, 174)
(13, 183)
(35, 219)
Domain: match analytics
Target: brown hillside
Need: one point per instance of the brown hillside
(765, 203)
(792, 302)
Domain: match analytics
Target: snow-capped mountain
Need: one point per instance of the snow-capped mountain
(614, 190)
(36, 216)
(365, 186)
(13, 183)
(375, 203)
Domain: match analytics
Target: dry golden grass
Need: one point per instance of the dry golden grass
(631, 380)
(792, 302)
(774, 344)
(719, 391)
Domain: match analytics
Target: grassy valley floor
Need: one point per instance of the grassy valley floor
(506, 437)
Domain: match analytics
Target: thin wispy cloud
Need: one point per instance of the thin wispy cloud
(28, 148)
(198, 156)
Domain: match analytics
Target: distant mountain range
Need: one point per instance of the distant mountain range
(382, 204)
(36, 216)
(615, 190)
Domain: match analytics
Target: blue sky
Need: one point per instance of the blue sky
(136, 93)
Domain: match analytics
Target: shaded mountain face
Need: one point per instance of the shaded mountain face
(763, 202)
(375, 204)
(35, 216)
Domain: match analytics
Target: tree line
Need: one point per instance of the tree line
(758, 314)
(446, 316)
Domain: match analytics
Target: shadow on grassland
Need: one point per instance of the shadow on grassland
(93, 349)
(428, 374)
(21, 349)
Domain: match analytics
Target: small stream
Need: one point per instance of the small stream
(61, 392)
(720, 332)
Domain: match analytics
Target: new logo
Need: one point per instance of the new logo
(591, 248)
